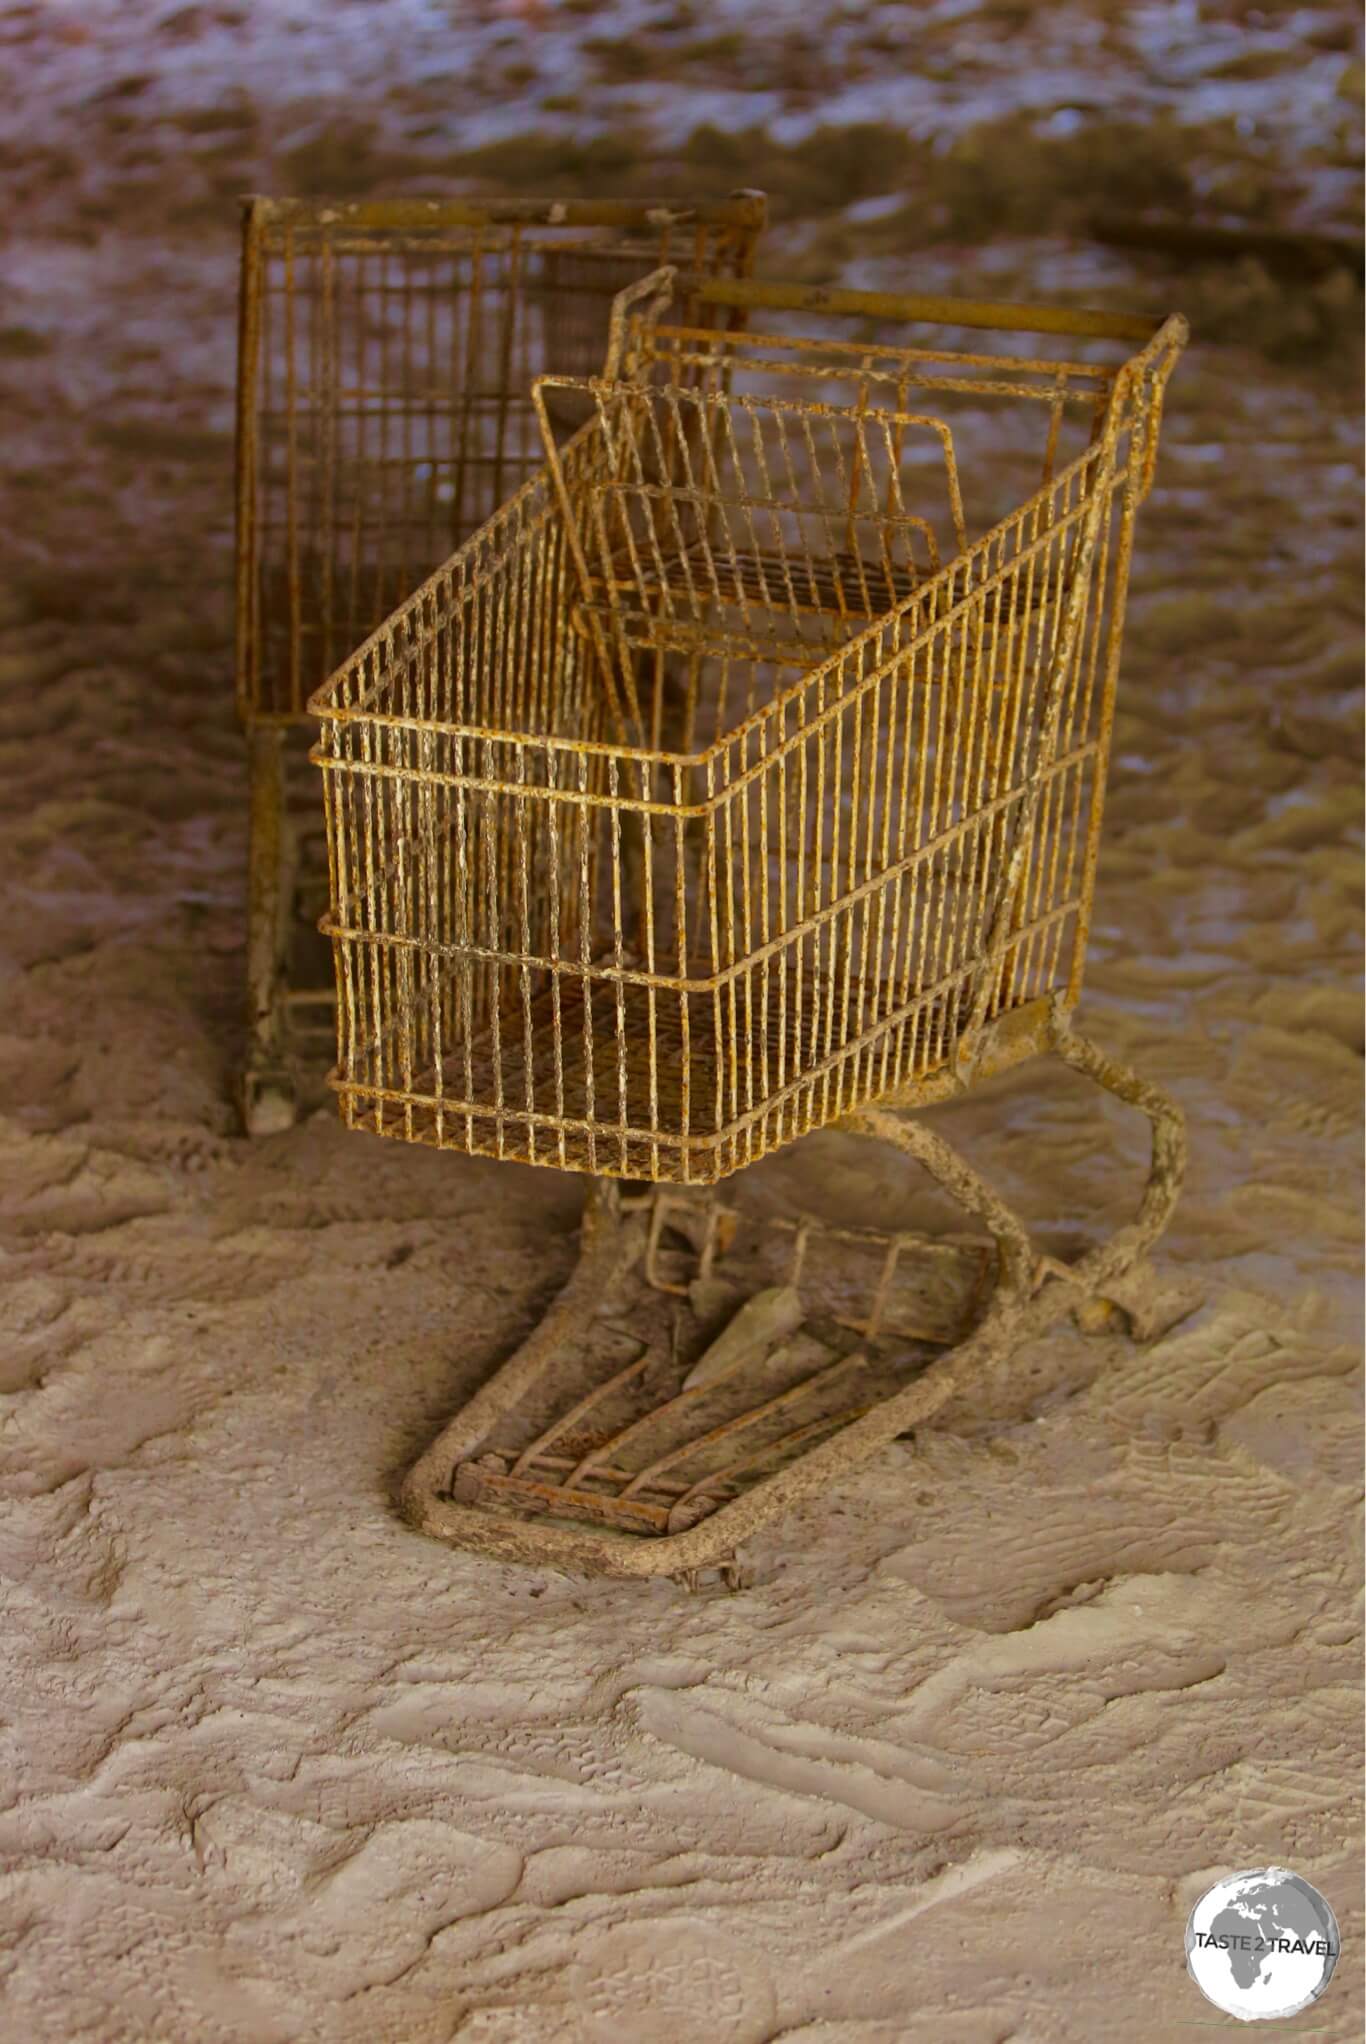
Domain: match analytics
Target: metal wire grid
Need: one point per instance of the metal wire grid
(387, 354)
(736, 539)
(621, 1439)
(662, 964)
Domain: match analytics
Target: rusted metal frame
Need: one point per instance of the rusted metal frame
(610, 1243)
(536, 1450)
(926, 601)
(1052, 533)
(724, 1479)
(950, 836)
(995, 316)
(1002, 1051)
(247, 609)
(310, 234)
(552, 1467)
(1016, 1259)
(730, 1429)
(744, 213)
(956, 592)
(269, 873)
(605, 663)
(891, 363)
(1037, 1295)
(1105, 724)
(998, 934)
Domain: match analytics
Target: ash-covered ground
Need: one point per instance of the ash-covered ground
(957, 1763)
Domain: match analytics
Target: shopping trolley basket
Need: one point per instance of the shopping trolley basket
(387, 350)
(738, 779)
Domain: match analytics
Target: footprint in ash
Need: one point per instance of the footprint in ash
(682, 1981)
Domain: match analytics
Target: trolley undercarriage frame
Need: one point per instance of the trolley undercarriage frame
(448, 1496)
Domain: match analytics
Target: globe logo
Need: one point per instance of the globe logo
(1262, 1945)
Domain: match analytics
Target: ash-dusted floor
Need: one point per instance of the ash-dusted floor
(955, 1766)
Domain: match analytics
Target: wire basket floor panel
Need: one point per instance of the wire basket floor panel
(624, 1081)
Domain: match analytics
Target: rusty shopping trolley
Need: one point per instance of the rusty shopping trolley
(741, 777)
(387, 351)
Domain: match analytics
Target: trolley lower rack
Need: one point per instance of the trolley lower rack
(605, 1444)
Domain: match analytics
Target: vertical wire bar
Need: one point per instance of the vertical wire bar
(465, 926)
(1044, 621)
(940, 794)
(988, 723)
(1023, 626)
(1067, 542)
(922, 874)
(849, 917)
(787, 955)
(910, 828)
(355, 531)
(329, 407)
(522, 801)
(1080, 730)
(373, 1037)
(889, 893)
(430, 799)
(969, 743)
(618, 957)
(766, 782)
(511, 304)
(800, 909)
(292, 479)
(585, 960)
(1042, 868)
(866, 803)
(818, 964)
(647, 829)
(681, 852)
(1118, 601)
(552, 830)
(1055, 411)
(729, 954)
(493, 937)
(473, 317)
(407, 399)
(400, 785)
(714, 929)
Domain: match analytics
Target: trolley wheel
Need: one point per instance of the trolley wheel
(270, 1101)
(1098, 1315)
(729, 1577)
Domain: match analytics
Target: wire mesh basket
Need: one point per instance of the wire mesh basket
(724, 782)
(387, 352)
(741, 777)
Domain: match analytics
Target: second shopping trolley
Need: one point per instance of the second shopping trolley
(387, 351)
